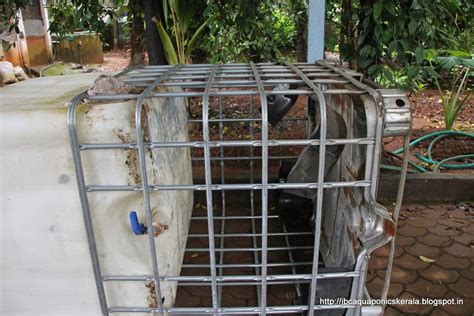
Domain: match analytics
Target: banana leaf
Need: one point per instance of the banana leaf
(170, 51)
(196, 34)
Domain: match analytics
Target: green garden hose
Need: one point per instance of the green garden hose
(429, 158)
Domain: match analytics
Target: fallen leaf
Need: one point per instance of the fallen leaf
(426, 259)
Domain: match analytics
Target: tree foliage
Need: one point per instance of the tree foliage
(242, 30)
(69, 16)
(180, 28)
(386, 38)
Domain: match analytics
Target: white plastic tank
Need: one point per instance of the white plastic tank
(45, 262)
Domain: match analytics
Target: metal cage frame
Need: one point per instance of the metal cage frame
(206, 81)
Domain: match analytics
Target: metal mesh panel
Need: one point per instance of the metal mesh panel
(238, 243)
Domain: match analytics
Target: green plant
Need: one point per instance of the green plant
(284, 27)
(460, 70)
(66, 17)
(451, 99)
(178, 18)
(259, 30)
(375, 34)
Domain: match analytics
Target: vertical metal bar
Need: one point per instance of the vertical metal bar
(208, 179)
(222, 240)
(263, 104)
(76, 154)
(144, 178)
(374, 161)
(396, 211)
(293, 268)
(316, 19)
(319, 196)
(252, 201)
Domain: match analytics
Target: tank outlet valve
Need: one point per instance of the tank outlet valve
(137, 227)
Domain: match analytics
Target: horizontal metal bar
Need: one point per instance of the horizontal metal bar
(249, 249)
(151, 76)
(219, 187)
(232, 83)
(231, 278)
(235, 217)
(244, 265)
(229, 84)
(219, 93)
(232, 120)
(229, 310)
(231, 143)
(250, 234)
(246, 158)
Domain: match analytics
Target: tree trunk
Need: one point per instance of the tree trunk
(115, 35)
(301, 26)
(301, 45)
(154, 11)
(138, 29)
(346, 37)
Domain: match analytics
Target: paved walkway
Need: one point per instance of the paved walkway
(443, 234)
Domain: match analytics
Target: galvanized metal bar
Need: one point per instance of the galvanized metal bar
(231, 278)
(234, 235)
(229, 310)
(230, 143)
(239, 83)
(264, 135)
(395, 213)
(264, 73)
(245, 265)
(76, 154)
(222, 240)
(80, 179)
(289, 248)
(319, 197)
(208, 188)
(252, 202)
(218, 187)
(255, 249)
(107, 97)
(242, 158)
(270, 85)
(229, 217)
(146, 191)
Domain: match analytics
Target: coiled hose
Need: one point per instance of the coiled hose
(429, 158)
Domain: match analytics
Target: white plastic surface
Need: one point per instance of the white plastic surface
(45, 263)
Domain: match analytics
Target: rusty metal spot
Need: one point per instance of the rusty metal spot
(389, 227)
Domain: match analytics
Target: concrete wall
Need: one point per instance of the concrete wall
(81, 48)
(33, 45)
(46, 267)
(16, 54)
(36, 35)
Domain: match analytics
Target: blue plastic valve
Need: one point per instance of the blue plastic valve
(137, 227)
